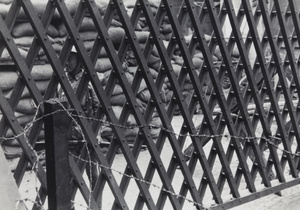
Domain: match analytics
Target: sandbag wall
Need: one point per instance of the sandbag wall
(177, 61)
(25, 111)
(26, 108)
(23, 36)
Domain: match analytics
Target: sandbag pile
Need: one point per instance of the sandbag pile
(23, 35)
(40, 7)
(177, 61)
(26, 107)
(118, 98)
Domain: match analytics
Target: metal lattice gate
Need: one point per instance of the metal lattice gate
(214, 82)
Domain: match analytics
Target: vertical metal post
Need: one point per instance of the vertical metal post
(57, 157)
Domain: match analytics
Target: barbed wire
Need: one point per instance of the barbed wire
(73, 116)
(140, 180)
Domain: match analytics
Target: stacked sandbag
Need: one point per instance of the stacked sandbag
(26, 107)
(40, 7)
(103, 66)
(118, 100)
(177, 62)
(23, 36)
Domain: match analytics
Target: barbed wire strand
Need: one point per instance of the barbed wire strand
(70, 113)
(139, 180)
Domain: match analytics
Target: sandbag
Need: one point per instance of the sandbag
(62, 30)
(176, 68)
(4, 8)
(12, 152)
(6, 1)
(166, 29)
(188, 86)
(41, 85)
(87, 24)
(89, 44)
(132, 70)
(144, 95)
(142, 36)
(197, 61)
(42, 72)
(128, 133)
(38, 72)
(103, 65)
(155, 126)
(24, 41)
(26, 106)
(118, 100)
(10, 134)
(25, 119)
(218, 53)
(8, 79)
(25, 29)
(105, 77)
(130, 78)
(56, 47)
(118, 110)
(116, 34)
(5, 56)
(117, 90)
(88, 35)
(154, 62)
(40, 6)
(13, 163)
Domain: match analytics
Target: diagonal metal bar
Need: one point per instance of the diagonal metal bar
(17, 129)
(204, 128)
(10, 19)
(266, 74)
(148, 78)
(275, 51)
(263, 92)
(21, 66)
(160, 14)
(291, 57)
(109, 88)
(85, 191)
(278, 91)
(296, 22)
(221, 123)
(174, 83)
(16, 94)
(182, 15)
(224, 158)
(250, 77)
(170, 75)
(111, 52)
(235, 85)
(124, 115)
(58, 69)
(148, 112)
